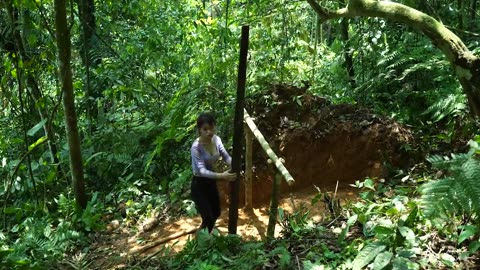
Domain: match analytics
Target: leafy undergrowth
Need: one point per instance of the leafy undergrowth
(64, 238)
(389, 227)
(42, 240)
(427, 218)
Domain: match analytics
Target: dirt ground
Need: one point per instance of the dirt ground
(115, 249)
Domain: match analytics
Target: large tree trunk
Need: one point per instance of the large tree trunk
(65, 74)
(464, 62)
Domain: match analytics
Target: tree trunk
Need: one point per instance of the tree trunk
(87, 20)
(86, 10)
(463, 61)
(473, 11)
(65, 75)
(460, 14)
(347, 52)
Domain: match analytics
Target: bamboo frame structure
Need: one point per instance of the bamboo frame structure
(268, 150)
(282, 172)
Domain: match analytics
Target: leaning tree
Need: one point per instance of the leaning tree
(465, 63)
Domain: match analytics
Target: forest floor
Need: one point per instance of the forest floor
(122, 246)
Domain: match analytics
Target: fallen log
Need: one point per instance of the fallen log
(163, 241)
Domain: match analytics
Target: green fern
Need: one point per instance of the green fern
(452, 105)
(388, 58)
(459, 191)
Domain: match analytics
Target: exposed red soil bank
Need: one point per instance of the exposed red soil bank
(321, 143)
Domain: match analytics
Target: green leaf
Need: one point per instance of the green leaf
(352, 220)
(92, 157)
(447, 259)
(281, 213)
(400, 264)
(14, 73)
(467, 232)
(474, 246)
(382, 260)
(381, 230)
(308, 265)
(299, 102)
(405, 253)
(316, 198)
(369, 184)
(392, 211)
(36, 128)
(5, 252)
(408, 234)
(21, 262)
(362, 218)
(11, 210)
(227, 259)
(367, 254)
(409, 222)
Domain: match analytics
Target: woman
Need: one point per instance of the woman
(206, 150)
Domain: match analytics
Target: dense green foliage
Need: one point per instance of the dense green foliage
(389, 228)
(158, 64)
(457, 193)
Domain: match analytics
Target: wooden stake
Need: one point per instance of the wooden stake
(248, 168)
(272, 220)
(238, 132)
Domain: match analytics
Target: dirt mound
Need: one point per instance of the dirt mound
(321, 143)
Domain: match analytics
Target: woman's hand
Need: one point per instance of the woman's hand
(227, 175)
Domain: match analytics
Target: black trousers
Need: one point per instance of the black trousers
(206, 198)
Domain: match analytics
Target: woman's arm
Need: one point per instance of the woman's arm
(223, 152)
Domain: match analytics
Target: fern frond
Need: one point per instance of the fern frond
(450, 105)
(456, 194)
(388, 59)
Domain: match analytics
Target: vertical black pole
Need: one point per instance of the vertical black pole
(238, 132)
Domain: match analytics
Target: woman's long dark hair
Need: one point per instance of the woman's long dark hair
(205, 118)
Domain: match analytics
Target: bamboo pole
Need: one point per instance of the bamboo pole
(272, 220)
(266, 147)
(248, 168)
